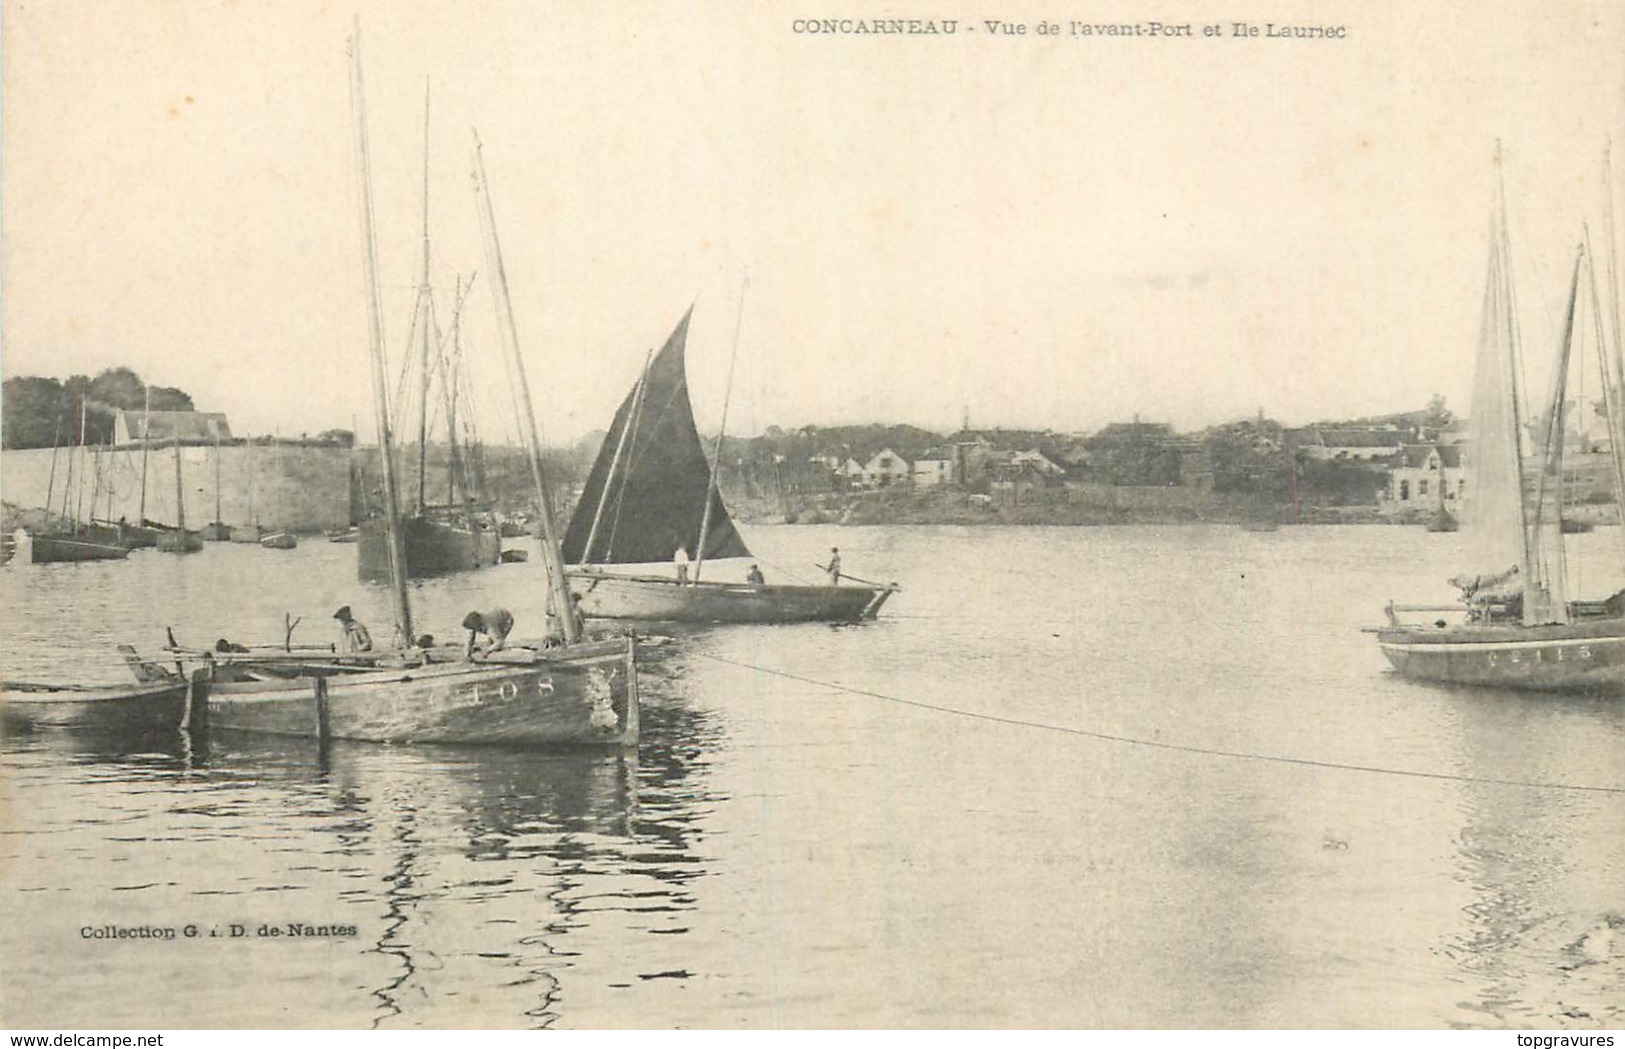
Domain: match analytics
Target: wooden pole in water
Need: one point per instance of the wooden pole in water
(559, 587)
(375, 330)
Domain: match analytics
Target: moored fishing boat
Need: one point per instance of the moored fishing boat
(653, 490)
(1515, 626)
(576, 692)
(50, 547)
(434, 546)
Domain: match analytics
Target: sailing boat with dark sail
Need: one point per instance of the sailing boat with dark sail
(653, 492)
(1515, 626)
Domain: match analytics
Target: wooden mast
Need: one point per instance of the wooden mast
(425, 319)
(375, 331)
(180, 488)
(722, 433)
(620, 453)
(50, 483)
(217, 482)
(558, 586)
(146, 447)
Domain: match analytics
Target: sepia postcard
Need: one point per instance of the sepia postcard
(1069, 514)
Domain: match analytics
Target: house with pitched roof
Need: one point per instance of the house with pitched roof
(134, 427)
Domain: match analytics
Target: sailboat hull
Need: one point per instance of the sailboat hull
(432, 548)
(180, 542)
(128, 709)
(608, 596)
(41, 549)
(587, 694)
(1574, 657)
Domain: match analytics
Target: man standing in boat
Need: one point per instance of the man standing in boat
(680, 559)
(356, 636)
(834, 566)
(496, 625)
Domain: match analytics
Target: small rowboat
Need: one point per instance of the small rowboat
(139, 709)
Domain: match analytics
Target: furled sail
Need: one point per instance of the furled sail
(1493, 519)
(647, 490)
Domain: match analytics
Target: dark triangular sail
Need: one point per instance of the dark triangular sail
(648, 487)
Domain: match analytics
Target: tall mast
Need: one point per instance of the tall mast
(252, 519)
(559, 587)
(217, 477)
(456, 476)
(180, 489)
(425, 311)
(375, 331)
(627, 427)
(68, 477)
(50, 483)
(1541, 604)
(722, 432)
(79, 492)
(146, 447)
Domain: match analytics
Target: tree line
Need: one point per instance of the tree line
(39, 412)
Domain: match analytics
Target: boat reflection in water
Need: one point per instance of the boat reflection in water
(1542, 923)
(478, 882)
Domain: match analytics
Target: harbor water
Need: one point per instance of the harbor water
(1072, 777)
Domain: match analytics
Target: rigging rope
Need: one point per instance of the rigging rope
(1184, 748)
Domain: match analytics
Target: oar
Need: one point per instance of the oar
(856, 579)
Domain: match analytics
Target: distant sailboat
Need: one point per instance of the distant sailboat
(69, 537)
(281, 539)
(438, 538)
(216, 531)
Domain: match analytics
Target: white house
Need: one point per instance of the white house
(131, 427)
(885, 467)
(1425, 477)
(935, 468)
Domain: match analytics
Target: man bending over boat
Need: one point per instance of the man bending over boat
(495, 625)
(356, 637)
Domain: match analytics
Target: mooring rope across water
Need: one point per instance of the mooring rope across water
(1184, 748)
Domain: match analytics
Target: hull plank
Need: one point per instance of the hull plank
(652, 598)
(588, 695)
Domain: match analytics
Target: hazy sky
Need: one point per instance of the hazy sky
(1046, 231)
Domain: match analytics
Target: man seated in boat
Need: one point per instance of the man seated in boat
(356, 636)
(494, 625)
(755, 577)
(1494, 598)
